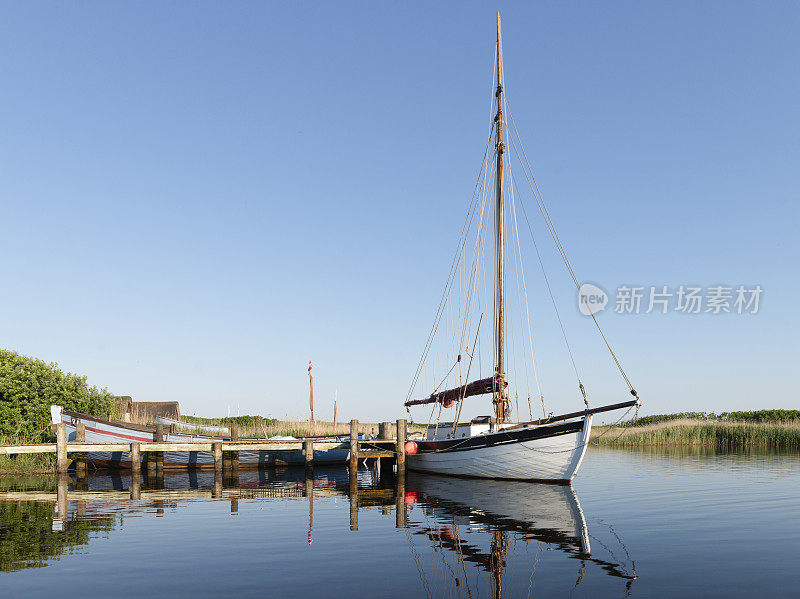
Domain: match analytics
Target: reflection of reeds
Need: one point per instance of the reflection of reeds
(722, 435)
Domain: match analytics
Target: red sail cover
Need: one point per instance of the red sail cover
(479, 387)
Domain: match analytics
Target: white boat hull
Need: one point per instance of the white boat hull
(554, 456)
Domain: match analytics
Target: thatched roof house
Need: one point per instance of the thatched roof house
(144, 412)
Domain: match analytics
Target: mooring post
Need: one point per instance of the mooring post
(80, 458)
(136, 460)
(400, 448)
(385, 430)
(216, 449)
(308, 453)
(353, 447)
(234, 454)
(160, 454)
(61, 447)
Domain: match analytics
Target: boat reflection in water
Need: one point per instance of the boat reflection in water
(483, 522)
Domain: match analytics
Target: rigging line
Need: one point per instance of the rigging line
(549, 288)
(476, 256)
(521, 270)
(525, 289)
(546, 214)
(454, 265)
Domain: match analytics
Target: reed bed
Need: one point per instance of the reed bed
(685, 432)
(25, 463)
(255, 427)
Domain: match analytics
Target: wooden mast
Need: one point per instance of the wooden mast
(499, 393)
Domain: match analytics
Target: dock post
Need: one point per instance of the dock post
(385, 431)
(234, 454)
(61, 447)
(353, 447)
(80, 458)
(151, 465)
(136, 460)
(160, 454)
(400, 449)
(216, 449)
(308, 453)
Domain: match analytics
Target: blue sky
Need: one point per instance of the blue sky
(198, 198)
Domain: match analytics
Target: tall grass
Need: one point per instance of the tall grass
(685, 432)
(255, 427)
(25, 463)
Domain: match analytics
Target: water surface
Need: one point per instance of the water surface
(647, 524)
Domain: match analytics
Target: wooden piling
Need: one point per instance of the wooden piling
(159, 454)
(233, 456)
(80, 458)
(308, 453)
(385, 431)
(61, 447)
(353, 446)
(400, 448)
(216, 449)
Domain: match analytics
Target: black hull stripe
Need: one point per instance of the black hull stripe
(501, 438)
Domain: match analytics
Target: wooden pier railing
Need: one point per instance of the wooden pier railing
(226, 453)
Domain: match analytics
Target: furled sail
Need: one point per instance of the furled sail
(479, 387)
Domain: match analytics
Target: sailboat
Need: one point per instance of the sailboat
(548, 449)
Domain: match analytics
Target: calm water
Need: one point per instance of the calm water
(640, 524)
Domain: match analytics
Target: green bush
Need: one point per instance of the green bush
(28, 387)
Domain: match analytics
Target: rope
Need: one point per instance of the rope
(551, 227)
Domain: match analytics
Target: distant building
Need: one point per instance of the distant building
(144, 412)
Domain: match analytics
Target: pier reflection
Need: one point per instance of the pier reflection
(482, 537)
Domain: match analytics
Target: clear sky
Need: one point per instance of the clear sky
(198, 198)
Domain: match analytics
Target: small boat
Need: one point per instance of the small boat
(549, 449)
(100, 430)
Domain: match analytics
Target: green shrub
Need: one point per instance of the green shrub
(28, 387)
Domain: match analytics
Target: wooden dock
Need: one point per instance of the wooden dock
(225, 452)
